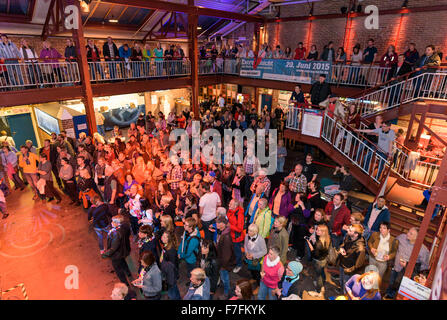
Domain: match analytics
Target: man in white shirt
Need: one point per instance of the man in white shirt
(221, 101)
(208, 204)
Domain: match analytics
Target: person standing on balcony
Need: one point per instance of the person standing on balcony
(125, 53)
(313, 53)
(158, 54)
(399, 69)
(70, 51)
(11, 56)
(29, 55)
(411, 55)
(328, 52)
(388, 60)
(137, 58)
(278, 53)
(320, 90)
(93, 55)
(370, 52)
(111, 54)
(297, 95)
(300, 52)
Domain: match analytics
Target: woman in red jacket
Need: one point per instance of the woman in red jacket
(235, 217)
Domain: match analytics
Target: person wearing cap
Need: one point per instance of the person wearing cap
(365, 286)
(215, 185)
(292, 283)
(4, 137)
(320, 90)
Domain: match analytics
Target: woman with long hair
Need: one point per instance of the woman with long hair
(299, 218)
(364, 287)
(319, 248)
(169, 263)
(243, 290)
(208, 262)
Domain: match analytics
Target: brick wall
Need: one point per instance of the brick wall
(423, 28)
(60, 43)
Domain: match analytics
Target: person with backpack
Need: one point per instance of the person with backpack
(98, 215)
(188, 249)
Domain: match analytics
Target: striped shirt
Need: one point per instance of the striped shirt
(9, 51)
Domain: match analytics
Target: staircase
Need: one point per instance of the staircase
(367, 165)
(430, 86)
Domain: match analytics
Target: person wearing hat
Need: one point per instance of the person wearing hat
(365, 286)
(215, 185)
(263, 180)
(320, 90)
(292, 283)
(4, 137)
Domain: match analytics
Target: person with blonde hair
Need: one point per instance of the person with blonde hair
(365, 286)
(200, 286)
(319, 249)
(121, 292)
(279, 237)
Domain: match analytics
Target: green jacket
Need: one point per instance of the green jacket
(263, 219)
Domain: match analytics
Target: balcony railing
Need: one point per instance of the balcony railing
(130, 70)
(365, 154)
(39, 74)
(34, 74)
(426, 85)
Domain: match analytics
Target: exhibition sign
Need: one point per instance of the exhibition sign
(298, 71)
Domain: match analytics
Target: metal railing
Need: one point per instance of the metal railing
(421, 170)
(365, 154)
(358, 75)
(219, 66)
(426, 85)
(128, 70)
(33, 74)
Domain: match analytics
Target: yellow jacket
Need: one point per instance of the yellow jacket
(32, 166)
(263, 219)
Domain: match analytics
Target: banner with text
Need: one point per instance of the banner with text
(298, 71)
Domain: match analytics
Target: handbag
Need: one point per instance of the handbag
(332, 256)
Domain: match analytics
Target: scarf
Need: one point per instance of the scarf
(270, 263)
(383, 248)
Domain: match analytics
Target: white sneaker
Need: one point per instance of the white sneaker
(237, 269)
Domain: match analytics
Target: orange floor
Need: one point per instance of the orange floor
(38, 240)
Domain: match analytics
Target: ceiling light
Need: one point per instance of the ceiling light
(113, 20)
(199, 28)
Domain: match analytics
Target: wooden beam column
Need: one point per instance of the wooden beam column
(79, 40)
(193, 20)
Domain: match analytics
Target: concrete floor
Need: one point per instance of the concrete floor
(39, 241)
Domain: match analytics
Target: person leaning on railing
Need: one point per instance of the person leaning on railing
(51, 55)
(111, 54)
(10, 55)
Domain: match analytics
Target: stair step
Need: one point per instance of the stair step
(407, 225)
(410, 217)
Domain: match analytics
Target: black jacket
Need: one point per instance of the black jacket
(106, 51)
(101, 216)
(118, 243)
(404, 69)
(325, 54)
(320, 92)
(303, 283)
(211, 269)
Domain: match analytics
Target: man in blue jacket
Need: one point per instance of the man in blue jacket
(377, 213)
(188, 249)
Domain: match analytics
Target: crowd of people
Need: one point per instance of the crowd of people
(213, 219)
(18, 61)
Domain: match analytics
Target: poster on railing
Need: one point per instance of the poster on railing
(312, 122)
(298, 71)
